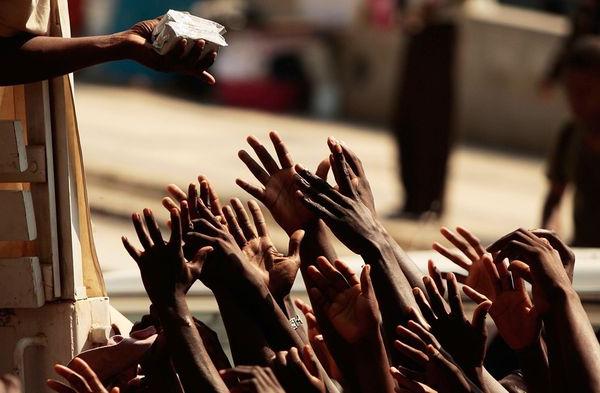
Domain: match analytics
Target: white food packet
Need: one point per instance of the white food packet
(176, 25)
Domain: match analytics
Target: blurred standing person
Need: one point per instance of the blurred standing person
(423, 120)
(584, 21)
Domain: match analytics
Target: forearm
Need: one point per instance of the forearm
(535, 368)
(393, 290)
(30, 59)
(316, 243)
(372, 365)
(576, 343)
(411, 271)
(246, 339)
(195, 369)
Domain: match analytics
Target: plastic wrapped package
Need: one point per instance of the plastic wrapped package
(176, 25)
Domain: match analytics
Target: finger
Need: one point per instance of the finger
(176, 192)
(74, 379)
(141, 231)
(258, 172)
(311, 181)
(335, 278)
(59, 386)
(323, 169)
(285, 158)
(234, 227)
(258, 218)
(406, 383)
(186, 220)
(423, 305)
(169, 203)
(192, 200)
(175, 239)
(411, 353)
(316, 208)
(516, 249)
(348, 273)
(435, 299)
(243, 219)
(452, 255)
(474, 295)
(459, 243)
(319, 281)
(522, 270)
(132, 251)
(263, 155)
(411, 338)
(479, 315)
(155, 234)
(366, 285)
(208, 228)
(472, 240)
(340, 168)
(309, 359)
(82, 368)
(256, 192)
(436, 275)
(454, 298)
(204, 190)
(206, 214)
(423, 333)
(492, 273)
(295, 242)
(305, 308)
(506, 280)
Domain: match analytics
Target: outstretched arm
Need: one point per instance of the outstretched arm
(29, 58)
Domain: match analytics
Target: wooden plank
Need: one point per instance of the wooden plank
(7, 103)
(18, 218)
(13, 156)
(36, 168)
(22, 284)
(37, 103)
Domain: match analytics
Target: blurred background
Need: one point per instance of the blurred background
(352, 69)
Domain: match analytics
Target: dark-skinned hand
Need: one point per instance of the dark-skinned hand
(567, 256)
(298, 371)
(513, 312)
(348, 217)
(464, 340)
(350, 304)
(469, 257)
(252, 379)
(81, 379)
(194, 63)
(166, 273)
(277, 270)
(439, 371)
(535, 260)
(279, 186)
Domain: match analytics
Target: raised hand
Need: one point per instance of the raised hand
(140, 49)
(166, 274)
(469, 257)
(440, 372)
(567, 256)
(356, 172)
(298, 371)
(81, 379)
(348, 218)
(349, 304)
(317, 341)
(463, 339)
(535, 260)
(278, 193)
(512, 309)
(252, 379)
(278, 270)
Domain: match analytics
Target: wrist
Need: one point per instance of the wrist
(125, 45)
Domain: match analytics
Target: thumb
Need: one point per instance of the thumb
(203, 253)
(366, 286)
(479, 315)
(521, 269)
(294, 245)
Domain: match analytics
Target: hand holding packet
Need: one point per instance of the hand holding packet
(176, 25)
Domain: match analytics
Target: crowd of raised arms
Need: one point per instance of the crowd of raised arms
(386, 328)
